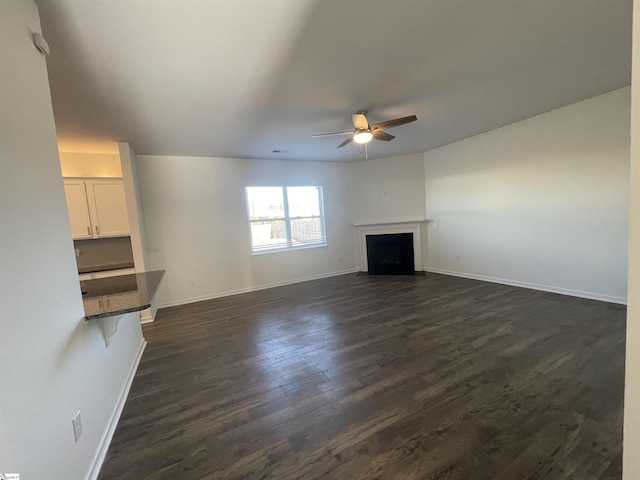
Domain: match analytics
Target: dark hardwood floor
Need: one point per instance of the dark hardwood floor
(357, 377)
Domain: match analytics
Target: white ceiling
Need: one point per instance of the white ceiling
(241, 78)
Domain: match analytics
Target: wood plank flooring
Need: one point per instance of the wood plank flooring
(357, 377)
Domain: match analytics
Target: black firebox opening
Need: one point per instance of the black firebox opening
(390, 254)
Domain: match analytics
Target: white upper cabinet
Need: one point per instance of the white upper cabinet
(108, 207)
(78, 208)
(97, 208)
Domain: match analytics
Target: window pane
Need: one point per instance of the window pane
(268, 234)
(279, 225)
(303, 201)
(305, 231)
(265, 202)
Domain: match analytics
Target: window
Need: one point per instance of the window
(283, 218)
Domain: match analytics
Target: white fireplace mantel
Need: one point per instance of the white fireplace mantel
(385, 228)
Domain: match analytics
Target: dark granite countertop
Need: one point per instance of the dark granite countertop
(106, 297)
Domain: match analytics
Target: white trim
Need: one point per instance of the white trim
(107, 435)
(385, 229)
(254, 289)
(534, 286)
(386, 222)
(149, 315)
(290, 249)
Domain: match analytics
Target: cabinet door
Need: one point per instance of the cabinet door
(78, 209)
(108, 206)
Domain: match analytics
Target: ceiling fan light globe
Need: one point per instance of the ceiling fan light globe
(362, 137)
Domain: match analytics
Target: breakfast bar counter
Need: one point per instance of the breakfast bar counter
(106, 297)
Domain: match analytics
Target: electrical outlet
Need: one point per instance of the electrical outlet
(190, 283)
(458, 258)
(77, 426)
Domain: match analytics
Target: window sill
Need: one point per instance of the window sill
(289, 249)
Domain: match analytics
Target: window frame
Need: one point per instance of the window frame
(290, 243)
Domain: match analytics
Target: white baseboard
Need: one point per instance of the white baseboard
(253, 289)
(105, 440)
(533, 286)
(149, 315)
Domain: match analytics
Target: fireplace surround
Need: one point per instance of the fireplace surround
(389, 228)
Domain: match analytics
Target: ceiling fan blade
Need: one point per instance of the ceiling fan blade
(360, 121)
(345, 142)
(331, 134)
(380, 135)
(394, 123)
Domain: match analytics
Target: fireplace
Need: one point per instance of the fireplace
(390, 254)
(412, 230)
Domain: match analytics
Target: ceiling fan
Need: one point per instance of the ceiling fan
(364, 133)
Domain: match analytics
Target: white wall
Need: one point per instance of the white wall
(106, 165)
(631, 461)
(197, 226)
(130, 177)
(52, 363)
(389, 189)
(137, 232)
(540, 203)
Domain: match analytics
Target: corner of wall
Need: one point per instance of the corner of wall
(134, 207)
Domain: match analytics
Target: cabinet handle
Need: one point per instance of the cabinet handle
(97, 230)
(88, 230)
